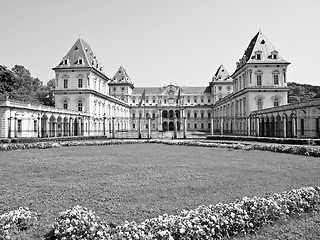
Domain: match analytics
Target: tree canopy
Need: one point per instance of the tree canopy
(18, 84)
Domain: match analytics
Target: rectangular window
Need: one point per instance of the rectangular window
(188, 115)
(188, 125)
(80, 106)
(133, 125)
(153, 115)
(259, 80)
(153, 101)
(188, 100)
(202, 100)
(19, 126)
(276, 79)
(195, 126)
(133, 115)
(209, 100)
(195, 100)
(35, 125)
(209, 125)
(80, 83)
(209, 114)
(195, 115)
(202, 126)
(202, 115)
(65, 83)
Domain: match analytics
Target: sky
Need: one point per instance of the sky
(159, 42)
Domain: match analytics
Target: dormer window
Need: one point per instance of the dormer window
(80, 61)
(258, 55)
(66, 62)
(274, 54)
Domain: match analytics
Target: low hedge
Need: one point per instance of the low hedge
(243, 216)
(297, 141)
(290, 149)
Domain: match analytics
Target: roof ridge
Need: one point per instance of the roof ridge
(84, 50)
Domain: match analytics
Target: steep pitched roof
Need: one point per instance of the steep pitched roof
(80, 50)
(259, 44)
(121, 76)
(221, 75)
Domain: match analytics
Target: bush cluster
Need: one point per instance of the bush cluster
(291, 149)
(297, 141)
(16, 221)
(205, 222)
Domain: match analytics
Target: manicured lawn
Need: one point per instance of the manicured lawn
(139, 181)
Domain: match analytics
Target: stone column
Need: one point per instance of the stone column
(104, 124)
(258, 126)
(284, 126)
(139, 128)
(160, 118)
(15, 127)
(175, 134)
(70, 127)
(184, 127)
(211, 125)
(39, 126)
(113, 129)
(249, 125)
(294, 127)
(221, 126)
(149, 127)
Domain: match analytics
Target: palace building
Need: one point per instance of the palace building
(250, 101)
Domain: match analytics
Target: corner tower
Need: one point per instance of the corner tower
(260, 75)
(121, 86)
(221, 84)
(79, 76)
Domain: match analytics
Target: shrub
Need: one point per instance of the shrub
(79, 223)
(15, 221)
(205, 222)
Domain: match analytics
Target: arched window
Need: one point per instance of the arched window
(275, 75)
(65, 104)
(259, 103)
(259, 78)
(80, 105)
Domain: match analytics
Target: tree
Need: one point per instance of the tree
(7, 79)
(45, 93)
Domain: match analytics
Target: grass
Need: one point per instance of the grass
(135, 182)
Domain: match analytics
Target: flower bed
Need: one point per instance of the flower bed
(205, 222)
(291, 149)
(297, 141)
(16, 221)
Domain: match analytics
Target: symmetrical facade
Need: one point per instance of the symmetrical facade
(251, 101)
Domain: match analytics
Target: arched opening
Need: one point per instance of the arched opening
(171, 126)
(165, 126)
(177, 113)
(65, 127)
(59, 126)
(171, 115)
(165, 114)
(44, 122)
(52, 126)
(76, 126)
(178, 126)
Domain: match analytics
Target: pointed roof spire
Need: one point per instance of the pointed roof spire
(121, 76)
(260, 50)
(80, 55)
(221, 74)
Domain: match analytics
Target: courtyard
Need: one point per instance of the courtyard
(138, 181)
